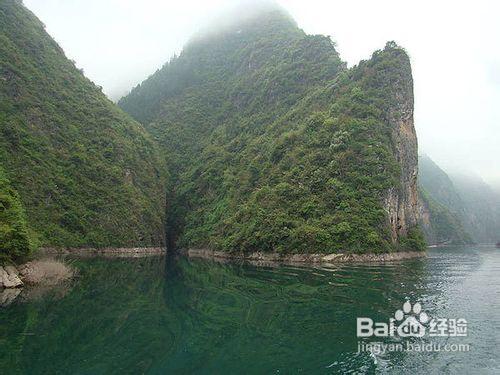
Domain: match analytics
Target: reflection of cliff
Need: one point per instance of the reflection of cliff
(238, 315)
(103, 323)
(186, 316)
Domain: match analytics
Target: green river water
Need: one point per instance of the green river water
(160, 315)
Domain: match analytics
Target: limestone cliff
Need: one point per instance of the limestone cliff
(401, 201)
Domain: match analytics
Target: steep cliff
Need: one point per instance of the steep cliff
(274, 145)
(402, 200)
(86, 173)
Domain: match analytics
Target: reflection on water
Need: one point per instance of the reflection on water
(157, 315)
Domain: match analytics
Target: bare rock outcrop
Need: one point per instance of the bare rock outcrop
(9, 277)
(44, 274)
(401, 202)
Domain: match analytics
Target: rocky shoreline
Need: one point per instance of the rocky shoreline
(109, 251)
(43, 271)
(34, 275)
(10, 277)
(303, 258)
(50, 271)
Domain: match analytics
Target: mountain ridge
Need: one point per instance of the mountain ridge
(460, 209)
(244, 142)
(86, 173)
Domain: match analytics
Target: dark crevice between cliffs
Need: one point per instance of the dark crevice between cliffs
(171, 227)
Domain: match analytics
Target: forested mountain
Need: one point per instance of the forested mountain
(457, 208)
(85, 172)
(442, 207)
(439, 185)
(274, 145)
(482, 207)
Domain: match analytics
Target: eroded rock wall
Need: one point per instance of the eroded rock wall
(401, 201)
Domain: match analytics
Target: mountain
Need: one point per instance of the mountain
(442, 208)
(440, 224)
(457, 208)
(85, 172)
(482, 207)
(439, 185)
(274, 145)
(14, 236)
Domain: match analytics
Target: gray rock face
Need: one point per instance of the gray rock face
(9, 277)
(401, 202)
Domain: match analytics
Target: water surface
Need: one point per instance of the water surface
(181, 316)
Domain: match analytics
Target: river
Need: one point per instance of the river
(162, 315)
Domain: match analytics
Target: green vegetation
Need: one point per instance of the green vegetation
(86, 173)
(270, 143)
(462, 209)
(273, 144)
(481, 208)
(443, 226)
(14, 239)
(444, 215)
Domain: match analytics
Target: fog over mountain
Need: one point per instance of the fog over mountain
(453, 47)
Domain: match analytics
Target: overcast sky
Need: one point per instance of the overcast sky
(454, 46)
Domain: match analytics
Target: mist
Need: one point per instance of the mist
(453, 47)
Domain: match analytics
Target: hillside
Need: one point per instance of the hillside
(457, 208)
(482, 207)
(274, 145)
(440, 224)
(85, 172)
(442, 208)
(439, 185)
